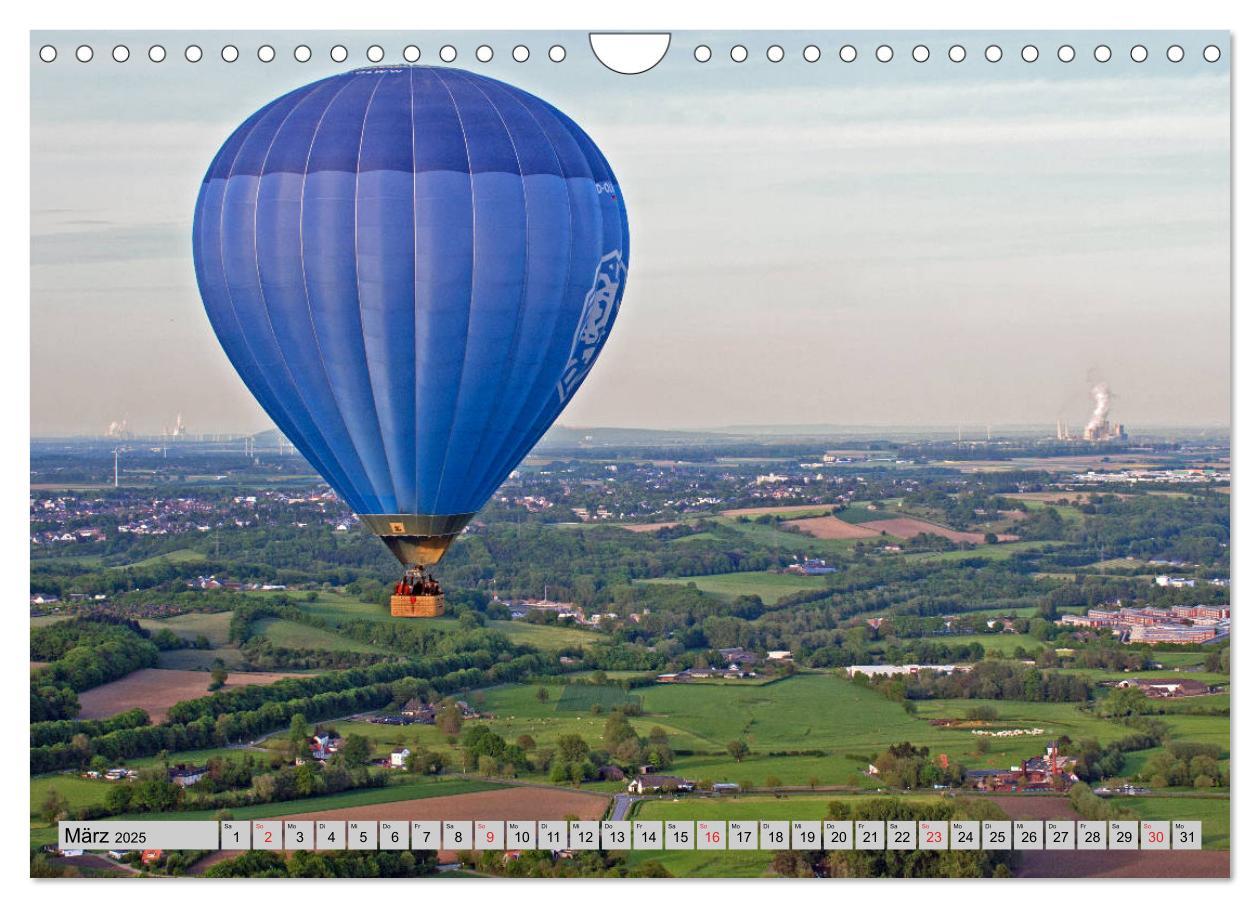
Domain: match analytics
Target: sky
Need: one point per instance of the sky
(853, 244)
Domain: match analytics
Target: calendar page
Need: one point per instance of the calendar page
(571, 454)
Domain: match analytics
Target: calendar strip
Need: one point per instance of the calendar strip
(635, 835)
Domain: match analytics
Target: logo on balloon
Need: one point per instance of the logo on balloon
(598, 310)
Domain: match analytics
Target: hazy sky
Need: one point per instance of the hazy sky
(864, 243)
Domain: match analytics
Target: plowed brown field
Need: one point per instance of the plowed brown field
(155, 690)
(831, 528)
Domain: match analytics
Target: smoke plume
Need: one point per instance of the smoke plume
(1102, 405)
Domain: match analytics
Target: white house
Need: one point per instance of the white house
(649, 782)
(398, 757)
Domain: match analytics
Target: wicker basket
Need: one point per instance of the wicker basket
(417, 606)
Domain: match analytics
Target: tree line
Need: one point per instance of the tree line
(990, 679)
(61, 730)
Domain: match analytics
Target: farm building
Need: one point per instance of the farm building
(737, 655)
(183, 776)
(650, 782)
(1167, 688)
(417, 711)
(1043, 773)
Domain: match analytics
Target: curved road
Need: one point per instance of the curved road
(621, 806)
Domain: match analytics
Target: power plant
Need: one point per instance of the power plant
(1099, 427)
(179, 430)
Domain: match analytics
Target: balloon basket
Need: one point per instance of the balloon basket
(417, 606)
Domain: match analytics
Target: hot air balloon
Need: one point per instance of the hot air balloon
(412, 269)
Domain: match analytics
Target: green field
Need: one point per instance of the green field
(201, 660)
(1003, 644)
(770, 587)
(212, 625)
(293, 635)
(761, 769)
(385, 738)
(998, 551)
(336, 607)
(546, 637)
(1202, 729)
(1211, 700)
(1178, 658)
(77, 792)
(178, 556)
(580, 698)
(807, 711)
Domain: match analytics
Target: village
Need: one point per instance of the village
(92, 518)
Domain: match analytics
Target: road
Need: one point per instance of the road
(621, 806)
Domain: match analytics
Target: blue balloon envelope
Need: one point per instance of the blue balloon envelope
(413, 269)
